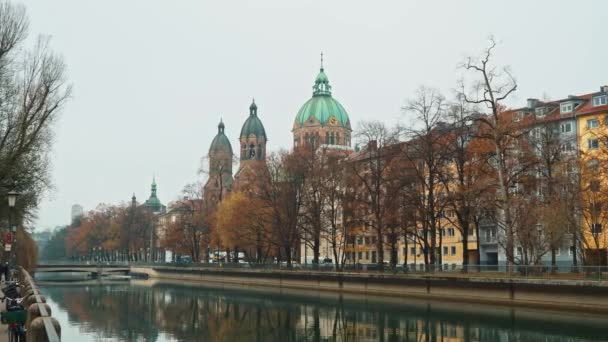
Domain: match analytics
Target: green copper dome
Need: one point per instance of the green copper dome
(322, 106)
(253, 124)
(153, 203)
(220, 143)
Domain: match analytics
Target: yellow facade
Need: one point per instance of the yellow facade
(592, 132)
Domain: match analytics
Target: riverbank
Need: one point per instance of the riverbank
(568, 295)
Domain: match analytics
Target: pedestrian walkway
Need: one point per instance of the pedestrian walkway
(3, 327)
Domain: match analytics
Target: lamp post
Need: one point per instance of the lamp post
(12, 200)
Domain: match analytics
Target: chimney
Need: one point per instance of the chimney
(532, 103)
(604, 89)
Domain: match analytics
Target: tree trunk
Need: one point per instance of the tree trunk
(465, 249)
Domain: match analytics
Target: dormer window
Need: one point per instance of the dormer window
(541, 111)
(518, 116)
(600, 100)
(566, 107)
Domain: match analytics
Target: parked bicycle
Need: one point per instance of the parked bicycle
(15, 314)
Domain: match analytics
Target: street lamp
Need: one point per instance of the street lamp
(12, 200)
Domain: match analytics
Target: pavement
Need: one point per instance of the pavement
(3, 327)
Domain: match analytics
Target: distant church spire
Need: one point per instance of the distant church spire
(321, 60)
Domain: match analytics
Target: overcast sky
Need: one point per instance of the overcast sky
(153, 78)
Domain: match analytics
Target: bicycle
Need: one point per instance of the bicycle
(15, 314)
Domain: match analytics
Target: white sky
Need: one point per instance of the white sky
(152, 78)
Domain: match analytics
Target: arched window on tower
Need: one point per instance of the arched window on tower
(260, 151)
(337, 138)
(252, 151)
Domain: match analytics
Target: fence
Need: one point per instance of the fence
(591, 273)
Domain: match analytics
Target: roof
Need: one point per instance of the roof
(220, 143)
(322, 106)
(253, 124)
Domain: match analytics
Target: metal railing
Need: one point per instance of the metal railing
(558, 272)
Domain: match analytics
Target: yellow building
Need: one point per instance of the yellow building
(591, 112)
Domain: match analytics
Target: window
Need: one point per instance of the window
(594, 185)
(593, 165)
(453, 250)
(541, 111)
(519, 251)
(568, 146)
(593, 123)
(367, 240)
(600, 100)
(360, 255)
(445, 250)
(373, 256)
(566, 127)
(566, 107)
(451, 232)
(596, 228)
(366, 255)
(593, 144)
(518, 116)
(412, 250)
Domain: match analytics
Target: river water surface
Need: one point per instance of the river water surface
(146, 310)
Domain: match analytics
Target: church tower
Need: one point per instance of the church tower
(322, 120)
(253, 139)
(220, 155)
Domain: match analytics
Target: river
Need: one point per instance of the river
(148, 310)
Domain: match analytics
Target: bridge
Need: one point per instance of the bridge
(95, 270)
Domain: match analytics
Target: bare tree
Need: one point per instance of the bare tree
(33, 91)
(284, 197)
(426, 152)
(489, 87)
(463, 180)
(374, 175)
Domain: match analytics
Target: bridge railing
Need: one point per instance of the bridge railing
(40, 326)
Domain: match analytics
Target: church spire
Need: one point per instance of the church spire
(153, 192)
(253, 109)
(321, 60)
(221, 127)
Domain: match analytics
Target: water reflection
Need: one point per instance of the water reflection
(144, 311)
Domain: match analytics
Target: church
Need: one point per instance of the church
(321, 121)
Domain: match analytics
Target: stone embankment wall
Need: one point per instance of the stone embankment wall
(587, 296)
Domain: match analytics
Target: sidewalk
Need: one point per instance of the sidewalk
(3, 327)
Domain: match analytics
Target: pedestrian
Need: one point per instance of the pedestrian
(2, 278)
(6, 269)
